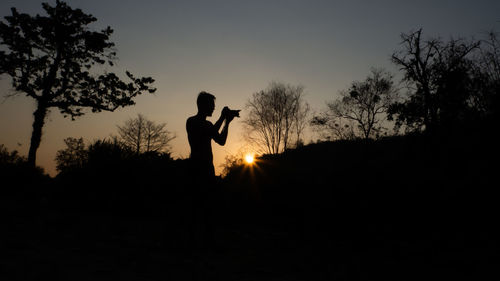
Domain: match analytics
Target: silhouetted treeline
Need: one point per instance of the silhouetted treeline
(16, 174)
(450, 84)
(417, 167)
(393, 176)
(113, 177)
(405, 206)
(434, 167)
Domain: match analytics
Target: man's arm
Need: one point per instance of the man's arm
(218, 124)
(221, 137)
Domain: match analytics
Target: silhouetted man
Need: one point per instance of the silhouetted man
(201, 132)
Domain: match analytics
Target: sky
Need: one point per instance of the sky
(233, 49)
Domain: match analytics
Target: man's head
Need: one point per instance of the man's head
(206, 103)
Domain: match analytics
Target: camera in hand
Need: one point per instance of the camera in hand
(233, 113)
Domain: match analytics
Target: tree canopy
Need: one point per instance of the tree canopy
(442, 80)
(51, 58)
(275, 115)
(360, 110)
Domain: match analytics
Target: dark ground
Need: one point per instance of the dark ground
(351, 242)
(414, 214)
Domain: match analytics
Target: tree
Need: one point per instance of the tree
(275, 114)
(300, 121)
(74, 156)
(359, 110)
(142, 135)
(333, 128)
(438, 76)
(108, 153)
(52, 58)
(15, 174)
(10, 157)
(487, 74)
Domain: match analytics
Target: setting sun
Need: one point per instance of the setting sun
(249, 158)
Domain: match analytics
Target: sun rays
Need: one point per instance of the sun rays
(249, 158)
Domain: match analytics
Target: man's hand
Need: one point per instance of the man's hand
(229, 114)
(225, 112)
(229, 118)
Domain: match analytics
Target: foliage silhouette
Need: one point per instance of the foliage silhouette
(357, 112)
(51, 59)
(73, 156)
(16, 175)
(113, 178)
(10, 157)
(450, 83)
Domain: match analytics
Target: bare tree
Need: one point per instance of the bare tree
(437, 74)
(276, 113)
(143, 135)
(359, 110)
(301, 120)
(489, 59)
(487, 72)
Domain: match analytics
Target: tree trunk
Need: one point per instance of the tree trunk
(36, 135)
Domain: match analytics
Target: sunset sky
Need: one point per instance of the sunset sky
(233, 49)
